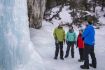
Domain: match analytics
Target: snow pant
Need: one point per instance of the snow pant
(70, 45)
(89, 49)
(81, 53)
(59, 46)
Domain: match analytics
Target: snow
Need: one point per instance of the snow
(99, 12)
(44, 44)
(65, 16)
(102, 20)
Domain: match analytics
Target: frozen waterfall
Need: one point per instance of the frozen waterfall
(16, 49)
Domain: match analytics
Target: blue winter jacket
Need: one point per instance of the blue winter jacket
(89, 35)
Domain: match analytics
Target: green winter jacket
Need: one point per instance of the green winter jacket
(71, 36)
(59, 34)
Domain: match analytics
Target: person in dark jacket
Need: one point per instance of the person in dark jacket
(80, 45)
(89, 41)
(70, 39)
(59, 36)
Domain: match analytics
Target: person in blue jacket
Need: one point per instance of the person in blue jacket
(89, 41)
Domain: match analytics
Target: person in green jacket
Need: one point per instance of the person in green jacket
(59, 36)
(70, 39)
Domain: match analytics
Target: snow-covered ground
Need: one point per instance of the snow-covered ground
(44, 44)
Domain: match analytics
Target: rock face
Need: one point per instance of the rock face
(50, 4)
(36, 10)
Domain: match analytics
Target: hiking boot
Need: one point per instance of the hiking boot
(55, 58)
(66, 56)
(84, 67)
(91, 65)
(72, 56)
(62, 58)
(80, 60)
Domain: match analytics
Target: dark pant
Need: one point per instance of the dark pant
(89, 50)
(59, 46)
(81, 53)
(70, 45)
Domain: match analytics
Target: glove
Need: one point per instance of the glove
(56, 41)
(55, 38)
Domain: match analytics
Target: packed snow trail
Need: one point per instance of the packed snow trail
(44, 43)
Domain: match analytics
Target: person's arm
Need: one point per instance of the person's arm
(64, 35)
(85, 33)
(75, 36)
(54, 34)
(67, 38)
(77, 41)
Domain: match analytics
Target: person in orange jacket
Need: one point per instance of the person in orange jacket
(80, 45)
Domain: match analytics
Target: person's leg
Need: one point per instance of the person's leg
(92, 54)
(81, 54)
(86, 57)
(67, 50)
(61, 50)
(87, 49)
(72, 50)
(56, 50)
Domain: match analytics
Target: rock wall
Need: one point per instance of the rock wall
(36, 10)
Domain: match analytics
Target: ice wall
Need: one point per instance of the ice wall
(16, 49)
